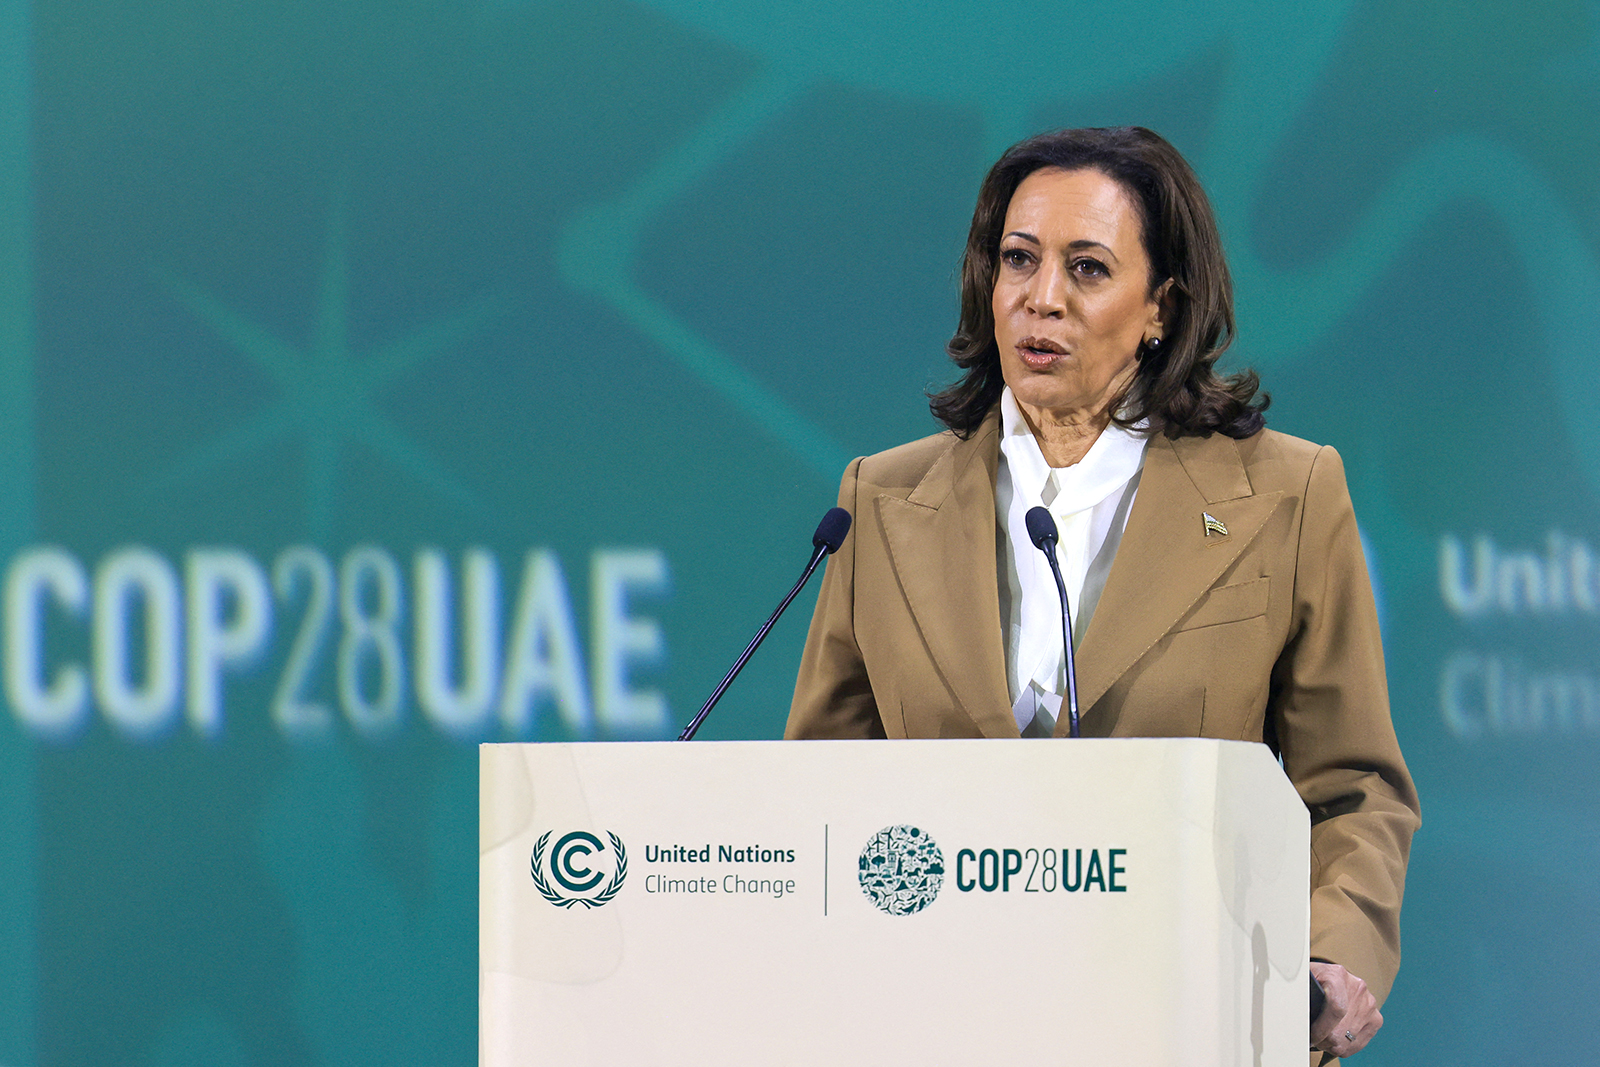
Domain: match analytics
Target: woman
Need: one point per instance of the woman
(1213, 566)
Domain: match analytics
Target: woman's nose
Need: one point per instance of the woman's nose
(1047, 292)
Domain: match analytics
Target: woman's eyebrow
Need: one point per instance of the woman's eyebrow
(1074, 245)
(1094, 244)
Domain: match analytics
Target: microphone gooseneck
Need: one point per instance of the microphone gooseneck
(1042, 532)
(830, 535)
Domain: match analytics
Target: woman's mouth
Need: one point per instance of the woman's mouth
(1038, 353)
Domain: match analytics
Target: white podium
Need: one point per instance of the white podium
(891, 903)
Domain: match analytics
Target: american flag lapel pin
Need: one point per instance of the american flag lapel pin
(1214, 525)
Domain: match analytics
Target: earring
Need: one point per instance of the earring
(1153, 344)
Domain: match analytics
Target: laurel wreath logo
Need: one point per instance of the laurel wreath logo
(550, 893)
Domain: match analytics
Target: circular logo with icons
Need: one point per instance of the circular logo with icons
(575, 870)
(901, 870)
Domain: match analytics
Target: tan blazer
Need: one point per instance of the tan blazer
(1213, 635)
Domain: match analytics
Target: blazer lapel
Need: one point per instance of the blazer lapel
(942, 546)
(1169, 557)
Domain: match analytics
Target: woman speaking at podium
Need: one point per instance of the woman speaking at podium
(1213, 567)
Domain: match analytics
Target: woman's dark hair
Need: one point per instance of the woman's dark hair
(1176, 386)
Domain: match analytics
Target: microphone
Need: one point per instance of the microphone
(1042, 532)
(1319, 1000)
(830, 535)
(831, 531)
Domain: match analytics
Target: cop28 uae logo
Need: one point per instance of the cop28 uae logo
(570, 865)
(901, 870)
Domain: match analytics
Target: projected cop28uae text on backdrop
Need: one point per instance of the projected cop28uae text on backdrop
(161, 646)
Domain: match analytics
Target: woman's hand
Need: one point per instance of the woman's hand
(1351, 1017)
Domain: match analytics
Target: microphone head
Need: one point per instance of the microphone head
(1041, 528)
(831, 530)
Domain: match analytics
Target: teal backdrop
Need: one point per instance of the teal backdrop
(381, 378)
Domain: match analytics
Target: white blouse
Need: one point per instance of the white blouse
(1090, 501)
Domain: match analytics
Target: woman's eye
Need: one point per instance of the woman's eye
(1089, 266)
(1014, 257)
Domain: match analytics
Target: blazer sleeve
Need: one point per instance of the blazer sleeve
(1331, 712)
(833, 695)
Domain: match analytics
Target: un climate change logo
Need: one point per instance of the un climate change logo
(901, 870)
(569, 865)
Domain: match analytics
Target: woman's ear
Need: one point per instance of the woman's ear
(1163, 308)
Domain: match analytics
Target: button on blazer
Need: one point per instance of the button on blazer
(1266, 632)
